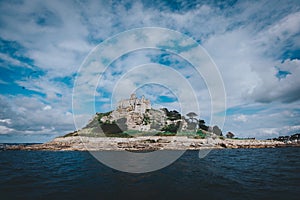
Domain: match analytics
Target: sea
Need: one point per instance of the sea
(271, 173)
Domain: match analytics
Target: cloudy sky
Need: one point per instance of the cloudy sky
(255, 45)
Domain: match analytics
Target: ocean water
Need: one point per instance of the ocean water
(223, 174)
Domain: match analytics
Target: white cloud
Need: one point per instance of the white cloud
(12, 61)
(57, 44)
(273, 89)
(30, 115)
(47, 107)
(6, 121)
(240, 118)
(5, 130)
(276, 36)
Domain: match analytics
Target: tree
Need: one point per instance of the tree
(172, 128)
(172, 115)
(192, 116)
(165, 110)
(201, 125)
(201, 122)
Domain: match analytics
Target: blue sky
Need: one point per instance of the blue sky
(254, 44)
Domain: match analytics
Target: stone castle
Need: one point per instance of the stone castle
(136, 114)
(134, 104)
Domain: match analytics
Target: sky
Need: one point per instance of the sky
(255, 46)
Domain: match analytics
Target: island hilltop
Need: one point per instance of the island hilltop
(135, 125)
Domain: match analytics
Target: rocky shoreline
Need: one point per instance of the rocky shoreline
(146, 143)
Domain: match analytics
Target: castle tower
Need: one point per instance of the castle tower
(133, 96)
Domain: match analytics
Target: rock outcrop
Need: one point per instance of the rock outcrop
(148, 143)
(135, 114)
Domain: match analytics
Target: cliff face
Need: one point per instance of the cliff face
(149, 119)
(135, 114)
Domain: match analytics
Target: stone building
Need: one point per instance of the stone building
(133, 112)
(134, 104)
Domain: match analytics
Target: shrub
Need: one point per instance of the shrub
(171, 128)
(201, 134)
(165, 134)
(100, 115)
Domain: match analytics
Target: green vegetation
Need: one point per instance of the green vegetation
(120, 135)
(93, 123)
(201, 125)
(131, 132)
(172, 115)
(100, 115)
(165, 134)
(146, 119)
(75, 133)
(172, 128)
(201, 134)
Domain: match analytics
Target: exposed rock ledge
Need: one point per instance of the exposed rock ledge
(77, 143)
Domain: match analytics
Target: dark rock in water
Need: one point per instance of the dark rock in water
(223, 145)
(2, 147)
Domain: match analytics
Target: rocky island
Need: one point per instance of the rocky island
(135, 126)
